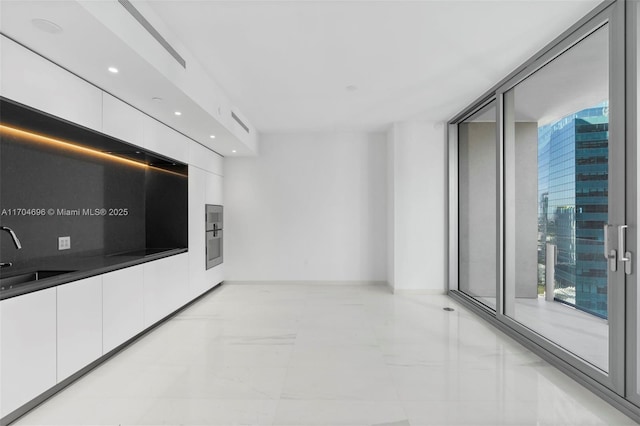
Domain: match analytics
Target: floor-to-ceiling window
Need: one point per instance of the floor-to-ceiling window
(557, 185)
(633, 23)
(559, 242)
(477, 205)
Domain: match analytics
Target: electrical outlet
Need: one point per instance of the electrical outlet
(64, 243)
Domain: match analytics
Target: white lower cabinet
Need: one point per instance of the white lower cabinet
(166, 287)
(122, 306)
(48, 335)
(28, 348)
(79, 325)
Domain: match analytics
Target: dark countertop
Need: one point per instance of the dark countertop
(79, 267)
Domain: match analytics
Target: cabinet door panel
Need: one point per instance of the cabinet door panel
(34, 81)
(79, 325)
(205, 159)
(166, 287)
(214, 189)
(165, 141)
(122, 121)
(197, 263)
(122, 306)
(28, 348)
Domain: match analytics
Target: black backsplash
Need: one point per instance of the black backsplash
(65, 190)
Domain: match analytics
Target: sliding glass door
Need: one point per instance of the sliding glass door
(633, 206)
(477, 205)
(564, 201)
(543, 195)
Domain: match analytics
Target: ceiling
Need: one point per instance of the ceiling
(317, 65)
(360, 65)
(576, 80)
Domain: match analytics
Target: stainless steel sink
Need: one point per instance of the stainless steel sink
(7, 283)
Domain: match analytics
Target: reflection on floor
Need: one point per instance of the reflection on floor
(325, 355)
(583, 334)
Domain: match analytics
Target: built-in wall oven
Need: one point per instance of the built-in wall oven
(214, 232)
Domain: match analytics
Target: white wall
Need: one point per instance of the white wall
(418, 233)
(311, 207)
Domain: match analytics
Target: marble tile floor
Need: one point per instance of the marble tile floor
(583, 334)
(284, 354)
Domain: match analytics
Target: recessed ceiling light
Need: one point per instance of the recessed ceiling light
(156, 99)
(177, 113)
(212, 136)
(234, 151)
(46, 26)
(113, 70)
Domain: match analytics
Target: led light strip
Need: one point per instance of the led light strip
(34, 137)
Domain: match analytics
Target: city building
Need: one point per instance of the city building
(572, 183)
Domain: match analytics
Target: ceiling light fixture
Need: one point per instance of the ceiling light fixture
(212, 136)
(46, 26)
(177, 113)
(113, 70)
(233, 151)
(156, 99)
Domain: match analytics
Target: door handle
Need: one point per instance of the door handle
(610, 255)
(622, 248)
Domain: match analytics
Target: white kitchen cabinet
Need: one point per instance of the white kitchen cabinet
(214, 276)
(205, 159)
(32, 80)
(213, 194)
(166, 287)
(204, 188)
(165, 141)
(122, 306)
(28, 348)
(197, 264)
(79, 328)
(122, 121)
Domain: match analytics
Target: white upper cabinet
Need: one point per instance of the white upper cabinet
(122, 121)
(205, 159)
(79, 328)
(34, 81)
(165, 141)
(28, 342)
(213, 193)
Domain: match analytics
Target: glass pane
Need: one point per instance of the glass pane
(477, 205)
(637, 22)
(556, 183)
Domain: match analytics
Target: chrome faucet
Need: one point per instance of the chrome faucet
(16, 241)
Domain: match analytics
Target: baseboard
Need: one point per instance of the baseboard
(407, 291)
(302, 282)
(416, 291)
